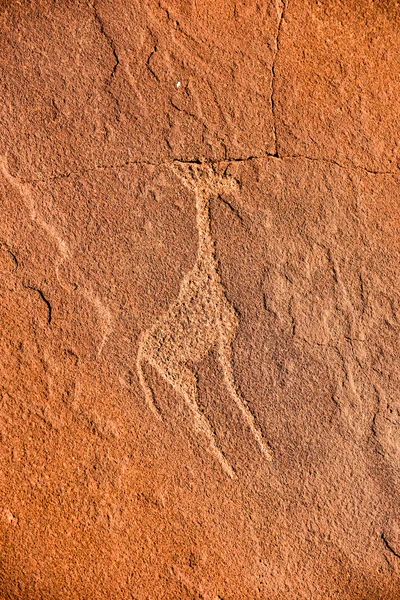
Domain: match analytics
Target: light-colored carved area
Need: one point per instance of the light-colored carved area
(199, 320)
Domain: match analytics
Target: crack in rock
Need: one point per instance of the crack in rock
(281, 15)
(45, 300)
(388, 546)
(208, 161)
(6, 248)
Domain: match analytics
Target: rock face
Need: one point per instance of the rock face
(200, 302)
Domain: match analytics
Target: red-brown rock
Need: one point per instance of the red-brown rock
(199, 207)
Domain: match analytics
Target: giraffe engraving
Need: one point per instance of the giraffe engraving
(199, 320)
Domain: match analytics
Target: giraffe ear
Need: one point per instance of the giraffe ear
(207, 177)
(187, 173)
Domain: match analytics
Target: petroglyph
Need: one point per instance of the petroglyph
(104, 314)
(200, 319)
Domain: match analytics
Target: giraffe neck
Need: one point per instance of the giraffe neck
(206, 249)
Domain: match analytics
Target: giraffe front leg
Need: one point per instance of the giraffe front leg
(185, 383)
(227, 333)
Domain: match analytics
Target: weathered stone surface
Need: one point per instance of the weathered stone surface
(135, 283)
(337, 84)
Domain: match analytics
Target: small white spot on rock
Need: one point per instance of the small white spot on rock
(178, 84)
(9, 517)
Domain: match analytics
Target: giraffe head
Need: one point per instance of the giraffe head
(206, 179)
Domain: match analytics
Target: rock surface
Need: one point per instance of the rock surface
(219, 179)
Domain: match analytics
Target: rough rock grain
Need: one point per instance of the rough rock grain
(119, 122)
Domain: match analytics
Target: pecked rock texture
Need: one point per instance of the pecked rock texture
(200, 302)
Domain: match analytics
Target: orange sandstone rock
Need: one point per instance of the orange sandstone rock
(199, 271)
